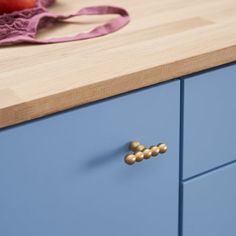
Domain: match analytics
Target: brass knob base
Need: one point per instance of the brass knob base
(136, 146)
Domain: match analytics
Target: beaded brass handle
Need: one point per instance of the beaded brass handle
(140, 152)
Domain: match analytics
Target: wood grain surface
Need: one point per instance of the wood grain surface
(166, 39)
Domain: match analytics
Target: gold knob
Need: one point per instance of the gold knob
(147, 153)
(130, 159)
(163, 147)
(140, 152)
(155, 150)
(136, 146)
(139, 156)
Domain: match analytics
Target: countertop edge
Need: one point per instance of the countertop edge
(58, 102)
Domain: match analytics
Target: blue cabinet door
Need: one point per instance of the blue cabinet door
(210, 204)
(209, 120)
(65, 175)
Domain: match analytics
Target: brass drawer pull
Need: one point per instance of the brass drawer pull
(140, 152)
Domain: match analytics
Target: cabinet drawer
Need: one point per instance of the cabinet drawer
(65, 174)
(209, 120)
(209, 204)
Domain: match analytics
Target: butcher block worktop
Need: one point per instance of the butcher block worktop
(165, 39)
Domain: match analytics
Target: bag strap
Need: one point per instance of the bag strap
(107, 28)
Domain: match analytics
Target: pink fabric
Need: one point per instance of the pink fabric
(22, 26)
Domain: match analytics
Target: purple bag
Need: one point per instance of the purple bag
(22, 26)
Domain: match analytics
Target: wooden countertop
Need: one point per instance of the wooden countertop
(166, 39)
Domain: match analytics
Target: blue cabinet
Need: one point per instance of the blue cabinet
(65, 175)
(209, 120)
(210, 204)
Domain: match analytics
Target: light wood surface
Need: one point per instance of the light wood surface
(166, 39)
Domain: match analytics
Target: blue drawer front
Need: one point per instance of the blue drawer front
(210, 204)
(209, 120)
(65, 175)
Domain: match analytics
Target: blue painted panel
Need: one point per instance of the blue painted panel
(210, 204)
(209, 120)
(65, 176)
